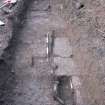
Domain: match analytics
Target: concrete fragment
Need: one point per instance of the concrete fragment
(13, 1)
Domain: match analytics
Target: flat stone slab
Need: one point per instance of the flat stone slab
(65, 66)
(62, 47)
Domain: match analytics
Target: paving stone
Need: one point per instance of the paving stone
(62, 47)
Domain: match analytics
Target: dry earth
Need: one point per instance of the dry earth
(25, 73)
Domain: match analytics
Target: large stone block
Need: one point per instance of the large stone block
(62, 47)
(65, 66)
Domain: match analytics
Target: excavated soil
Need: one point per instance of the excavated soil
(26, 76)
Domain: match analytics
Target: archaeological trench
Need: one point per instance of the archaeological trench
(52, 52)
